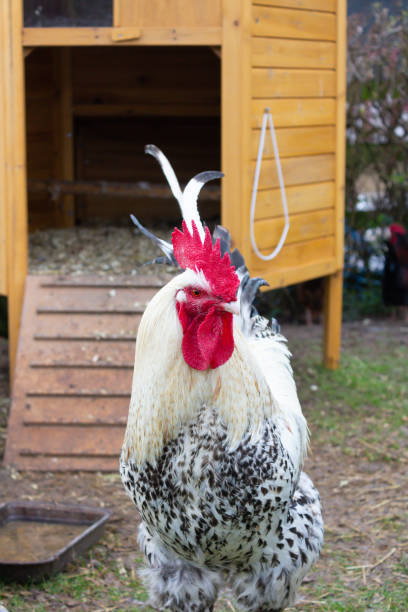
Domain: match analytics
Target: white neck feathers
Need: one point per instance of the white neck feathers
(167, 393)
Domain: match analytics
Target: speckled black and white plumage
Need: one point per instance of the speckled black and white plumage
(213, 515)
(213, 459)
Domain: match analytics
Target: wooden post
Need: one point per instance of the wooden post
(235, 118)
(64, 137)
(332, 320)
(13, 168)
(334, 283)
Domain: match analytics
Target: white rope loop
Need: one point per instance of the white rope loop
(267, 115)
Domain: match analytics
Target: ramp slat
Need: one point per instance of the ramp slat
(96, 299)
(55, 440)
(74, 371)
(86, 326)
(79, 380)
(86, 352)
(100, 281)
(70, 411)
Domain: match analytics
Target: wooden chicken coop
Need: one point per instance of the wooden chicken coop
(85, 85)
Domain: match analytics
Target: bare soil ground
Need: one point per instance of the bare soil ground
(359, 462)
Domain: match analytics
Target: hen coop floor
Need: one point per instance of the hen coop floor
(95, 250)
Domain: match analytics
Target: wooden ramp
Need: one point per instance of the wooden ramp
(74, 371)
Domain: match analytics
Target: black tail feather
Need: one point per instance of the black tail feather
(224, 237)
(164, 246)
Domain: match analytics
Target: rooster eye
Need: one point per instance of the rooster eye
(196, 292)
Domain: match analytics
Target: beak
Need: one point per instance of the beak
(233, 307)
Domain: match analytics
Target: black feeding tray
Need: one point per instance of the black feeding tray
(40, 539)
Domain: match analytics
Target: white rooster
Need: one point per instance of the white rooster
(216, 439)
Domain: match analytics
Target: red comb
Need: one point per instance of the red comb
(191, 253)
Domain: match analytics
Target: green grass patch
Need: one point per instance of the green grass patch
(97, 582)
(366, 397)
(389, 596)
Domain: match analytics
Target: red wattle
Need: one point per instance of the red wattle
(182, 315)
(215, 337)
(208, 340)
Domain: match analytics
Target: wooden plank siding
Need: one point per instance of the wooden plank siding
(293, 23)
(293, 83)
(291, 112)
(292, 53)
(315, 5)
(167, 13)
(305, 262)
(297, 141)
(301, 198)
(303, 226)
(293, 72)
(303, 254)
(297, 171)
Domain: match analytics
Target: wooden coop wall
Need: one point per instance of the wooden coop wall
(287, 54)
(295, 70)
(292, 55)
(122, 99)
(165, 14)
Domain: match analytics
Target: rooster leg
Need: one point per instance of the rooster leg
(272, 583)
(261, 590)
(174, 583)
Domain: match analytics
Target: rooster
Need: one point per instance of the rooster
(395, 275)
(216, 439)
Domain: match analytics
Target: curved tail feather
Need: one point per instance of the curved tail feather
(252, 324)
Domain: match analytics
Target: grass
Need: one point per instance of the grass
(359, 422)
(91, 584)
(388, 596)
(366, 398)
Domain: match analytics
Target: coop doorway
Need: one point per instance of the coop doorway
(90, 112)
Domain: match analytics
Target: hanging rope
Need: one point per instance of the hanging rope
(267, 115)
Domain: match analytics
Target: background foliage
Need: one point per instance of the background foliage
(377, 110)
